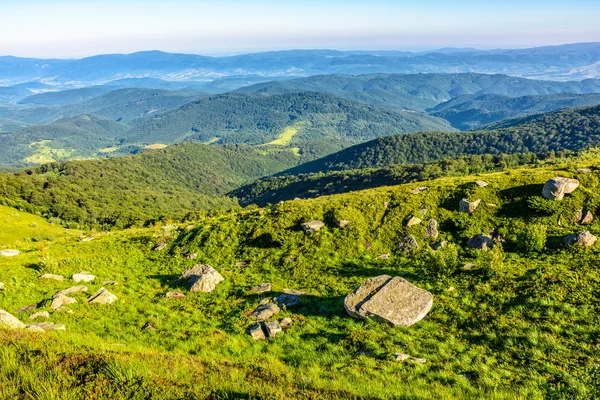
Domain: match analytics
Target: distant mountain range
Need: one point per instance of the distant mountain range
(566, 62)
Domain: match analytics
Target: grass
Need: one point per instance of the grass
(522, 325)
(45, 154)
(108, 149)
(155, 146)
(284, 138)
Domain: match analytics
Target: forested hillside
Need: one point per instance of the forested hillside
(125, 191)
(571, 129)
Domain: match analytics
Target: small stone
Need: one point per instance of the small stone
(431, 230)
(191, 256)
(175, 295)
(383, 256)
(9, 321)
(27, 308)
(343, 223)
(86, 239)
(413, 221)
(82, 277)
(160, 247)
(420, 189)
(288, 300)
(468, 207)
(48, 326)
(312, 226)
(53, 277)
(580, 239)
(285, 323)
(273, 328)
(418, 360)
(584, 170)
(480, 242)
(423, 212)
(257, 333)
(492, 204)
(202, 278)
(148, 327)
(1, 286)
(102, 296)
(578, 216)
(439, 245)
(469, 267)
(190, 227)
(265, 311)
(385, 205)
(408, 244)
(43, 314)
(588, 218)
(401, 357)
(61, 300)
(34, 328)
(110, 283)
(9, 253)
(450, 289)
(294, 291)
(241, 264)
(481, 184)
(264, 301)
(556, 188)
(262, 288)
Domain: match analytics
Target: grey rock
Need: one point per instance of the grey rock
(102, 296)
(71, 290)
(273, 328)
(53, 277)
(285, 323)
(262, 288)
(264, 301)
(392, 300)
(420, 189)
(59, 301)
(480, 242)
(439, 245)
(431, 229)
(202, 278)
(288, 300)
(294, 291)
(86, 239)
(383, 256)
(83, 277)
(418, 360)
(343, 223)
(9, 321)
(481, 184)
(43, 314)
(27, 308)
(175, 295)
(257, 333)
(578, 216)
(9, 253)
(265, 311)
(34, 328)
(584, 170)
(413, 221)
(468, 206)
(588, 218)
(48, 326)
(191, 256)
(408, 244)
(401, 357)
(469, 267)
(160, 247)
(556, 188)
(312, 226)
(580, 239)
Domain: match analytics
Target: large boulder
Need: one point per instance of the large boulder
(312, 226)
(556, 188)
(392, 300)
(480, 242)
(202, 278)
(102, 296)
(9, 321)
(468, 206)
(580, 239)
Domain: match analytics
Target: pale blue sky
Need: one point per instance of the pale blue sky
(76, 28)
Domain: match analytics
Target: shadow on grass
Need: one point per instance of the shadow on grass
(171, 281)
(519, 196)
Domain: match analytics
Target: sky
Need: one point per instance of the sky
(79, 28)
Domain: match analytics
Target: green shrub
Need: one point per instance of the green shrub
(532, 238)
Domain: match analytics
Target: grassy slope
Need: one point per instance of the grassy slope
(519, 326)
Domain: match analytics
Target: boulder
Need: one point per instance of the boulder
(102, 296)
(48, 326)
(413, 221)
(431, 230)
(202, 278)
(588, 218)
(43, 314)
(343, 223)
(174, 295)
(273, 328)
(60, 301)
(265, 311)
(71, 290)
(580, 239)
(288, 300)
(262, 288)
(83, 277)
(285, 323)
(53, 277)
(481, 184)
(408, 244)
(257, 333)
(480, 242)
(9, 253)
(9, 321)
(468, 206)
(312, 226)
(392, 300)
(556, 188)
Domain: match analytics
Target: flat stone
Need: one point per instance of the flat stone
(102, 296)
(288, 300)
(273, 328)
(59, 301)
(257, 333)
(175, 295)
(312, 226)
(468, 206)
(480, 242)
(413, 221)
(82, 277)
(9, 321)
(469, 267)
(383, 256)
(418, 360)
(420, 189)
(431, 229)
(262, 288)
(481, 184)
(265, 311)
(285, 323)
(53, 277)
(27, 308)
(43, 314)
(71, 290)
(202, 278)
(9, 253)
(294, 291)
(86, 239)
(48, 326)
(34, 328)
(580, 239)
(401, 357)
(392, 300)
(343, 223)
(556, 188)
(584, 170)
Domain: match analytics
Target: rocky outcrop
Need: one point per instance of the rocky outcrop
(102, 296)
(202, 278)
(556, 188)
(468, 206)
(312, 226)
(9, 321)
(580, 239)
(431, 230)
(480, 242)
(392, 300)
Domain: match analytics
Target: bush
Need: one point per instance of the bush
(532, 238)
